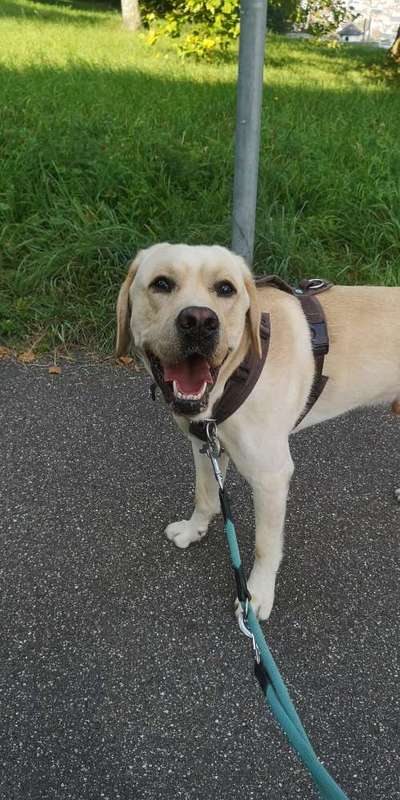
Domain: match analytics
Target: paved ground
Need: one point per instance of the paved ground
(123, 674)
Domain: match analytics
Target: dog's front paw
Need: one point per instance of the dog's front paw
(261, 586)
(184, 533)
(397, 495)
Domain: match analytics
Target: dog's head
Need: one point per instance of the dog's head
(187, 309)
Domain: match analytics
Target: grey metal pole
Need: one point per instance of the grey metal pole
(253, 20)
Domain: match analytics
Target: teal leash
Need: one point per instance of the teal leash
(265, 668)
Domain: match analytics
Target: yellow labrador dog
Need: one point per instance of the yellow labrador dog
(192, 313)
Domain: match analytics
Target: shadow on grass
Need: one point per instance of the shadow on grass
(98, 163)
(82, 5)
(372, 60)
(54, 11)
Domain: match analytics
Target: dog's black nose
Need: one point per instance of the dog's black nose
(198, 321)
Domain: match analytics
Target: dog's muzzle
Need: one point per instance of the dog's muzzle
(198, 330)
(187, 382)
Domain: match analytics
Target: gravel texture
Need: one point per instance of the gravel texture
(123, 672)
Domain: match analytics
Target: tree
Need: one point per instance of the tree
(131, 14)
(282, 14)
(395, 48)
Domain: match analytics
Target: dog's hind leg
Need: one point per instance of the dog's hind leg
(186, 531)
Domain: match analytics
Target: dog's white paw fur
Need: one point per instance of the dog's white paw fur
(183, 533)
(262, 589)
(397, 495)
(261, 586)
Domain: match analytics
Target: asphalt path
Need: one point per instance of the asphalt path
(123, 673)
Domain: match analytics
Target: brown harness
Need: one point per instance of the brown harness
(244, 378)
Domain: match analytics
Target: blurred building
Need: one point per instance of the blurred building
(377, 20)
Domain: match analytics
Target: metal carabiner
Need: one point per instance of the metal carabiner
(242, 620)
(213, 450)
(212, 437)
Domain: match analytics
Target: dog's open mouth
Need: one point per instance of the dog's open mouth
(186, 384)
(189, 378)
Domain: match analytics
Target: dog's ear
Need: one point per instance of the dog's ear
(124, 310)
(253, 315)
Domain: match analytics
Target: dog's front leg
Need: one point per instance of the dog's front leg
(270, 489)
(186, 531)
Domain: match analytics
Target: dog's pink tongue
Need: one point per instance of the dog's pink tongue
(190, 375)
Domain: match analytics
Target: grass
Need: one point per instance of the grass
(108, 145)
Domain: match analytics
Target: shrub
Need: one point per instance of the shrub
(203, 27)
(206, 28)
(282, 14)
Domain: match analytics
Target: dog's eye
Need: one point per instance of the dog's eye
(163, 284)
(224, 289)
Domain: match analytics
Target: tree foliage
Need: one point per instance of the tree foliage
(203, 27)
(206, 28)
(320, 17)
(282, 14)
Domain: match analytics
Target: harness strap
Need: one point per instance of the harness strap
(320, 346)
(314, 313)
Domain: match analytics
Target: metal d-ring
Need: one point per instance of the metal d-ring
(315, 283)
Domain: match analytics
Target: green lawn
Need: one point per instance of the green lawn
(108, 145)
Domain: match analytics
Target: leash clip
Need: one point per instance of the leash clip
(242, 620)
(213, 450)
(214, 445)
